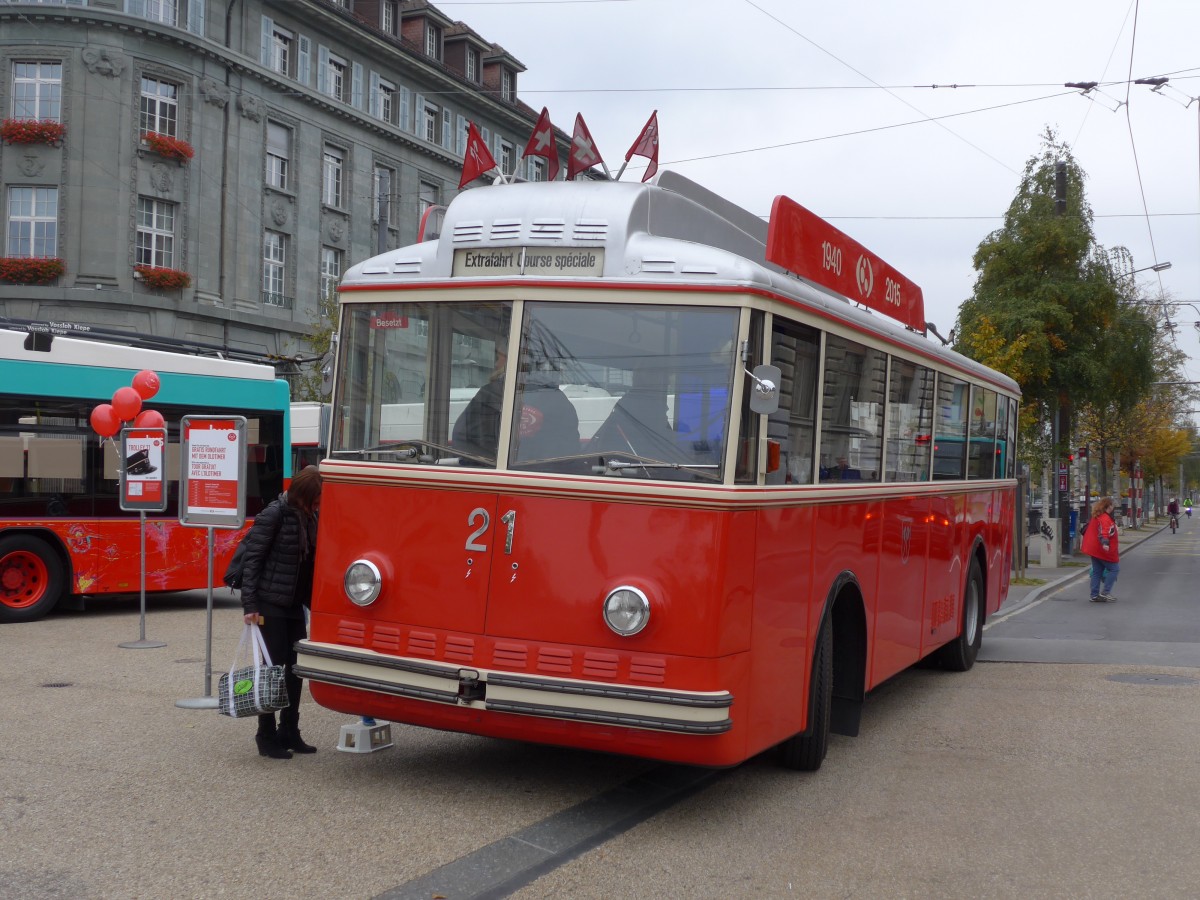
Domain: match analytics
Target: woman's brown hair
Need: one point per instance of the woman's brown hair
(305, 489)
(1103, 505)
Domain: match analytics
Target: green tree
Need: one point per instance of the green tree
(307, 382)
(1046, 308)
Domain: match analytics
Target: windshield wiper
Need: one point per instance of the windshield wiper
(608, 466)
(410, 450)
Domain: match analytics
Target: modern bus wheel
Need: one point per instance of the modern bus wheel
(806, 752)
(959, 655)
(31, 578)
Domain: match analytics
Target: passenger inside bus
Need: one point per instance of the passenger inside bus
(638, 422)
(477, 430)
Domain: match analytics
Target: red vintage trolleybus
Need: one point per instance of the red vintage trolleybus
(622, 467)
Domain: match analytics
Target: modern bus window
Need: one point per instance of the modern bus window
(910, 421)
(852, 412)
(1010, 432)
(411, 371)
(659, 376)
(796, 350)
(950, 431)
(981, 452)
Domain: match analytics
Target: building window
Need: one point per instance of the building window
(159, 107)
(335, 77)
(429, 123)
(506, 85)
(274, 250)
(164, 11)
(37, 90)
(537, 168)
(388, 18)
(32, 222)
(331, 271)
(433, 41)
(279, 155)
(279, 49)
(331, 178)
(506, 158)
(156, 233)
(472, 65)
(387, 101)
(430, 196)
(384, 186)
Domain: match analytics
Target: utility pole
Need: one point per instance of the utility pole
(1063, 415)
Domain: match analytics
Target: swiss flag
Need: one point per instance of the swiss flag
(647, 145)
(541, 143)
(583, 153)
(477, 160)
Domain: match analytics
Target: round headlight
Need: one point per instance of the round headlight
(363, 582)
(626, 610)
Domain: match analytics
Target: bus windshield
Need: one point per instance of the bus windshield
(596, 389)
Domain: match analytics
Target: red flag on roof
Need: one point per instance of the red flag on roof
(477, 160)
(583, 153)
(541, 143)
(647, 145)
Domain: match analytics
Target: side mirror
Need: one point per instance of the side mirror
(764, 394)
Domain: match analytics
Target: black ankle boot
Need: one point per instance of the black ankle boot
(291, 740)
(271, 746)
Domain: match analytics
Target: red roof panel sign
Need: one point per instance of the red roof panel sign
(808, 246)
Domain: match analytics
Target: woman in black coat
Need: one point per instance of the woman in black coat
(277, 580)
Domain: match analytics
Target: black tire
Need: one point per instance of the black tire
(959, 655)
(806, 752)
(31, 578)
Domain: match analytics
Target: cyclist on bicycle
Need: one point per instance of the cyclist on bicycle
(1173, 512)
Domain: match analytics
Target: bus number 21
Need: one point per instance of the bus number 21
(479, 513)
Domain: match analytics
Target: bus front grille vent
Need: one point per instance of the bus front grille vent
(386, 639)
(553, 661)
(648, 669)
(548, 229)
(510, 656)
(468, 232)
(352, 633)
(600, 665)
(422, 643)
(459, 649)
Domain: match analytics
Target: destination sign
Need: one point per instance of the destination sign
(537, 261)
(807, 245)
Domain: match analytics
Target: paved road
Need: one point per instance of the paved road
(1019, 780)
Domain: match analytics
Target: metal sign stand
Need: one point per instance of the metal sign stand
(212, 494)
(208, 701)
(141, 643)
(143, 487)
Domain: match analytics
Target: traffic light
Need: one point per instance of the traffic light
(1083, 452)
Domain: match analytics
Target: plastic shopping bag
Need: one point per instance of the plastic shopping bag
(252, 685)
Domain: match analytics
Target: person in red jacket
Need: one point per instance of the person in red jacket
(1100, 543)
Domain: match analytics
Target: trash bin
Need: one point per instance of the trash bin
(1074, 523)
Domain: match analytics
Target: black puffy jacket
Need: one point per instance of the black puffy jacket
(278, 563)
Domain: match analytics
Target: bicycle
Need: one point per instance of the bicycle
(1174, 522)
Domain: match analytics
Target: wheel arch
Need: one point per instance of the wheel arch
(845, 609)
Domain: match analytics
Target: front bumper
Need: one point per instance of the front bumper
(576, 700)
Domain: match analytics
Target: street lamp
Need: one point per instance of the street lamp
(1157, 267)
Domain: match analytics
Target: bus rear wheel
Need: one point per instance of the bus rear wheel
(806, 752)
(959, 655)
(31, 578)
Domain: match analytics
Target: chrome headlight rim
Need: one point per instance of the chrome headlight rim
(367, 586)
(613, 606)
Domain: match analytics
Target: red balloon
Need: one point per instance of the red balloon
(105, 421)
(146, 383)
(127, 403)
(149, 418)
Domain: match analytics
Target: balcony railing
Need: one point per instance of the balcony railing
(270, 298)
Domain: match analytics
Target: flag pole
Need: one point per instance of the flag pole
(620, 170)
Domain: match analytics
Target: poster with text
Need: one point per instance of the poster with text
(142, 473)
(213, 482)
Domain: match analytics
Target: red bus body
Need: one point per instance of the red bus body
(490, 616)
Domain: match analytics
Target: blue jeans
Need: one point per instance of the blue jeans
(1102, 569)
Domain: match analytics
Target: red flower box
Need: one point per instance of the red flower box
(30, 270)
(171, 148)
(32, 131)
(162, 279)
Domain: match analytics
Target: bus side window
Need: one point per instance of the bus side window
(795, 349)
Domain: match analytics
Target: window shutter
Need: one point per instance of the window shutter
(460, 137)
(303, 59)
(356, 79)
(322, 68)
(405, 120)
(373, 94)
(264, 42)
(447, 129)
(486, 136)
(196, 17)
(419, 115)
(497, 146)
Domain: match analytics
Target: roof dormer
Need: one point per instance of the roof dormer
(500, 69)
(424, 25)
(465, 51)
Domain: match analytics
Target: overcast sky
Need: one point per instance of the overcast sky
(820, 101)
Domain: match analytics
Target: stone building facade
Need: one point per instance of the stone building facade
(245, 151)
